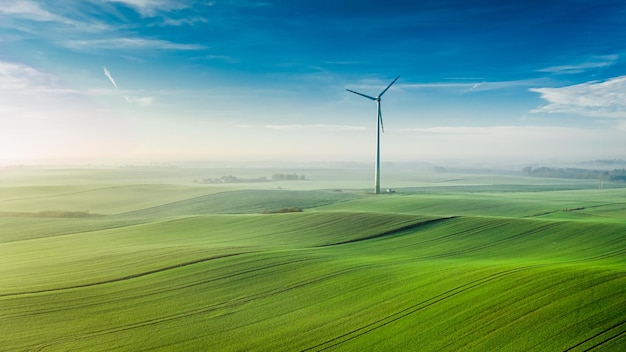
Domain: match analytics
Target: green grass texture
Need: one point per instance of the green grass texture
(165, 267)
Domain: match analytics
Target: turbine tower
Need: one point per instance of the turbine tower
(378, 130)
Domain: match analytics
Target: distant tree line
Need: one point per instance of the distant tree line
(616, 175)
(233, 179)
(230, 179)
(287, 177)
(283, 210)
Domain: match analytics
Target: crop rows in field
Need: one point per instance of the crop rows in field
(485, 271)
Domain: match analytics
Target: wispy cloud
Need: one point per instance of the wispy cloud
(27, 93)
(16, 78)
(28, 10)
(596, 62)
(133, 100)
(604, 99)
(131, 43)
(139, 101)
(108, 74)
(19, 83)
(189, 21)
(316, 127)
(150, 8)
(479, 86)
(19, 11)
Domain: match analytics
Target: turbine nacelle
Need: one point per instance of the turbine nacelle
(377, 99)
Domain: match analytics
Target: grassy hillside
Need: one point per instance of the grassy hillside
(424, 271)
(110, 199)
(245, 202)
(595, 205)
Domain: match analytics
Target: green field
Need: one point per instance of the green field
(146, 260)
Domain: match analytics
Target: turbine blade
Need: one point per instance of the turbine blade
(380, 118)
(383, 92)
(363, 95)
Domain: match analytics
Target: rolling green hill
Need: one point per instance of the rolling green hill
(423, 271)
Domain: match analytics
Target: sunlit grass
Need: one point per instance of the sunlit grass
(514, 271)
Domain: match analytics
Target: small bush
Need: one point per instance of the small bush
(283, 210)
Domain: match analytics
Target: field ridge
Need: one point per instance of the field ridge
(126, 277)
(394, 232)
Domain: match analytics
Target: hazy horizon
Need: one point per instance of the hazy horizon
(387, 166)
(248, 81)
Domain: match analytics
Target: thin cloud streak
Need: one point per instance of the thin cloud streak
(603, 61)
(184, 21)
(474, 86)
(131, 43)
(150, 8)
(108, 74)
(139, 101)
(316, 127)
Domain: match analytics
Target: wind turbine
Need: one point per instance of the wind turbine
(378, 130)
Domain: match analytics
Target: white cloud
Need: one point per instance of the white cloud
(139, 101)
(604, 99)
(28, 10)
(131, 43)
(19, 79)
(21, 86)
(597, 62)
(31, 11)
(26, 92)
(149, 8)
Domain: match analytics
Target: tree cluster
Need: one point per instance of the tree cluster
(230, 179)
(233, 179)
(575, 173)
(283, 210)
(287, 177)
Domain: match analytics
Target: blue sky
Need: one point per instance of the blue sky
(246, 80)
